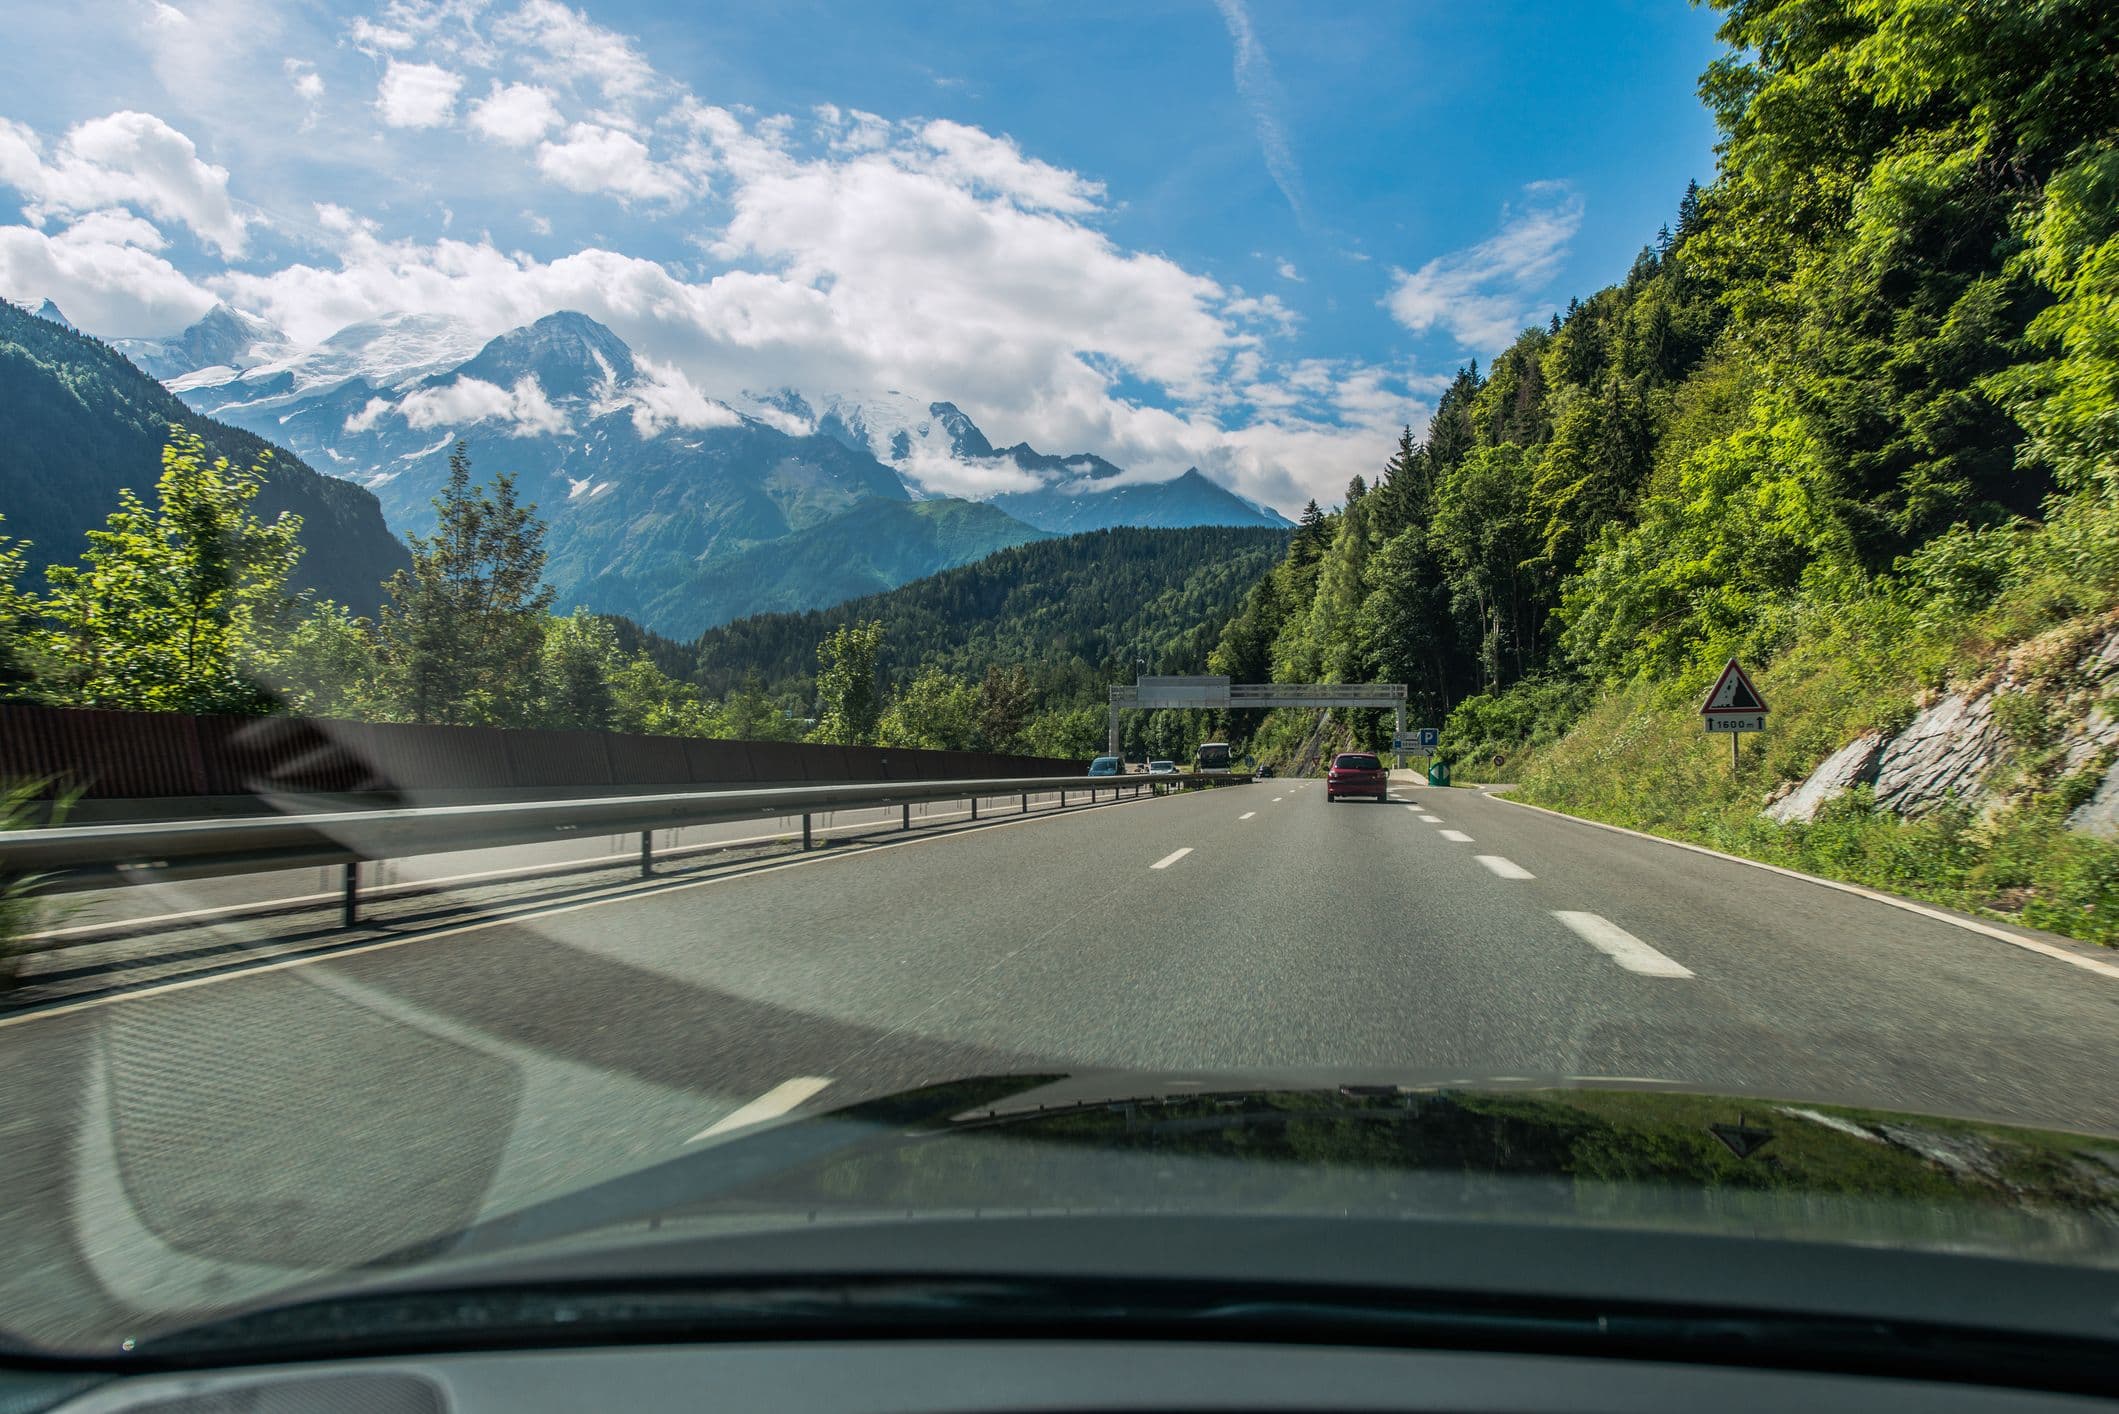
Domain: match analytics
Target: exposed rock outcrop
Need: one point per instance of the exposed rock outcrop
(1852, 765)
(1945, 754)
(2099, 815)
(1955, 748)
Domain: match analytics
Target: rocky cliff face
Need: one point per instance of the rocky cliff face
(1946, 754)
(2051, 712)
(1852, 765)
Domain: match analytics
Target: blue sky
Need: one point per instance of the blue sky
(1253, 237)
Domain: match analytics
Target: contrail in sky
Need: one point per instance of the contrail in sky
(1254, 80)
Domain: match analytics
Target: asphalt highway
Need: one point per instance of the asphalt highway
(195, 1142)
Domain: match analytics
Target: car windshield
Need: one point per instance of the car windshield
(642, 631)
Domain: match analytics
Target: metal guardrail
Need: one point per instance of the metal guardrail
(71, 859)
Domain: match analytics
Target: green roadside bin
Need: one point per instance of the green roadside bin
(1438, 774)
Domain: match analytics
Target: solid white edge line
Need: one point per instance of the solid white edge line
(1620, 946)
(770, 1105)
(1171, 858)
(616, 895)
(1907, 905)
(1456, 836)
(1502, 868)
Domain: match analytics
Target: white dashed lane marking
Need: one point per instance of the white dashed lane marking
(1171, 858)
(1429, 819)
(1503, 868)
(1456, 837)
(1621, 946)
(1247, 815)
(770, 1105)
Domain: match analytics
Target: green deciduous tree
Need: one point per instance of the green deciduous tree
(934, 711)
(1735, 533)
(178, 606)
(1069, 732)
(2066, 402)
(18, 621)
(327, 666)
(848, 700)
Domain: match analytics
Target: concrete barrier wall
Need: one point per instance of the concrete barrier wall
(164, 755)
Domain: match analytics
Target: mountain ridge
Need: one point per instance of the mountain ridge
(82, 421)
(1064, 608)
(649, 487)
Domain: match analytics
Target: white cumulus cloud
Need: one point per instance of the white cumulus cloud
(523, 410)
(1483, 293)
(980, 160)
(306, 80)
(663, 397)
(417, 95)
(567, 47)
(516, 114)
(104, 272)
(371, 37)
(591, 158)
(124, 159)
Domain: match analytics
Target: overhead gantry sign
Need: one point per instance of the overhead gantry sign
(1219, 693)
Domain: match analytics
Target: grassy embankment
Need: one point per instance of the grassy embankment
(1636, 755)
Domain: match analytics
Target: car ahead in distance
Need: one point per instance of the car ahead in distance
(1107, 766)
(1356, 773)
(1264, 773)
(1162, 768)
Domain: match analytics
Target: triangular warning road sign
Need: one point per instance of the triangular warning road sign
(1733, 693)
(1741, 1139)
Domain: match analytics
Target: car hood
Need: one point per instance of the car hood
(1484, 1191)
(1639, 1154)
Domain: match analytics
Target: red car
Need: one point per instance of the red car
(1356, 773)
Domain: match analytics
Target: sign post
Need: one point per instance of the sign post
(1734, 706)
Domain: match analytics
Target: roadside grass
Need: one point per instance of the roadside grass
(1639, 758)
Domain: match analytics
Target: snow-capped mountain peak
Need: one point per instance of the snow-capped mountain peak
(223, 337)
(569, 355)
(897, 428)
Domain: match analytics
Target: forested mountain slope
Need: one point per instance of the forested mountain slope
(79, 422)
(873, 545)
(1066, 609)
(1854, 418)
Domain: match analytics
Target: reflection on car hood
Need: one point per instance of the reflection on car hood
(1633, 1154)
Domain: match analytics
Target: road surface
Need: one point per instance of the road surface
(195, 1142)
